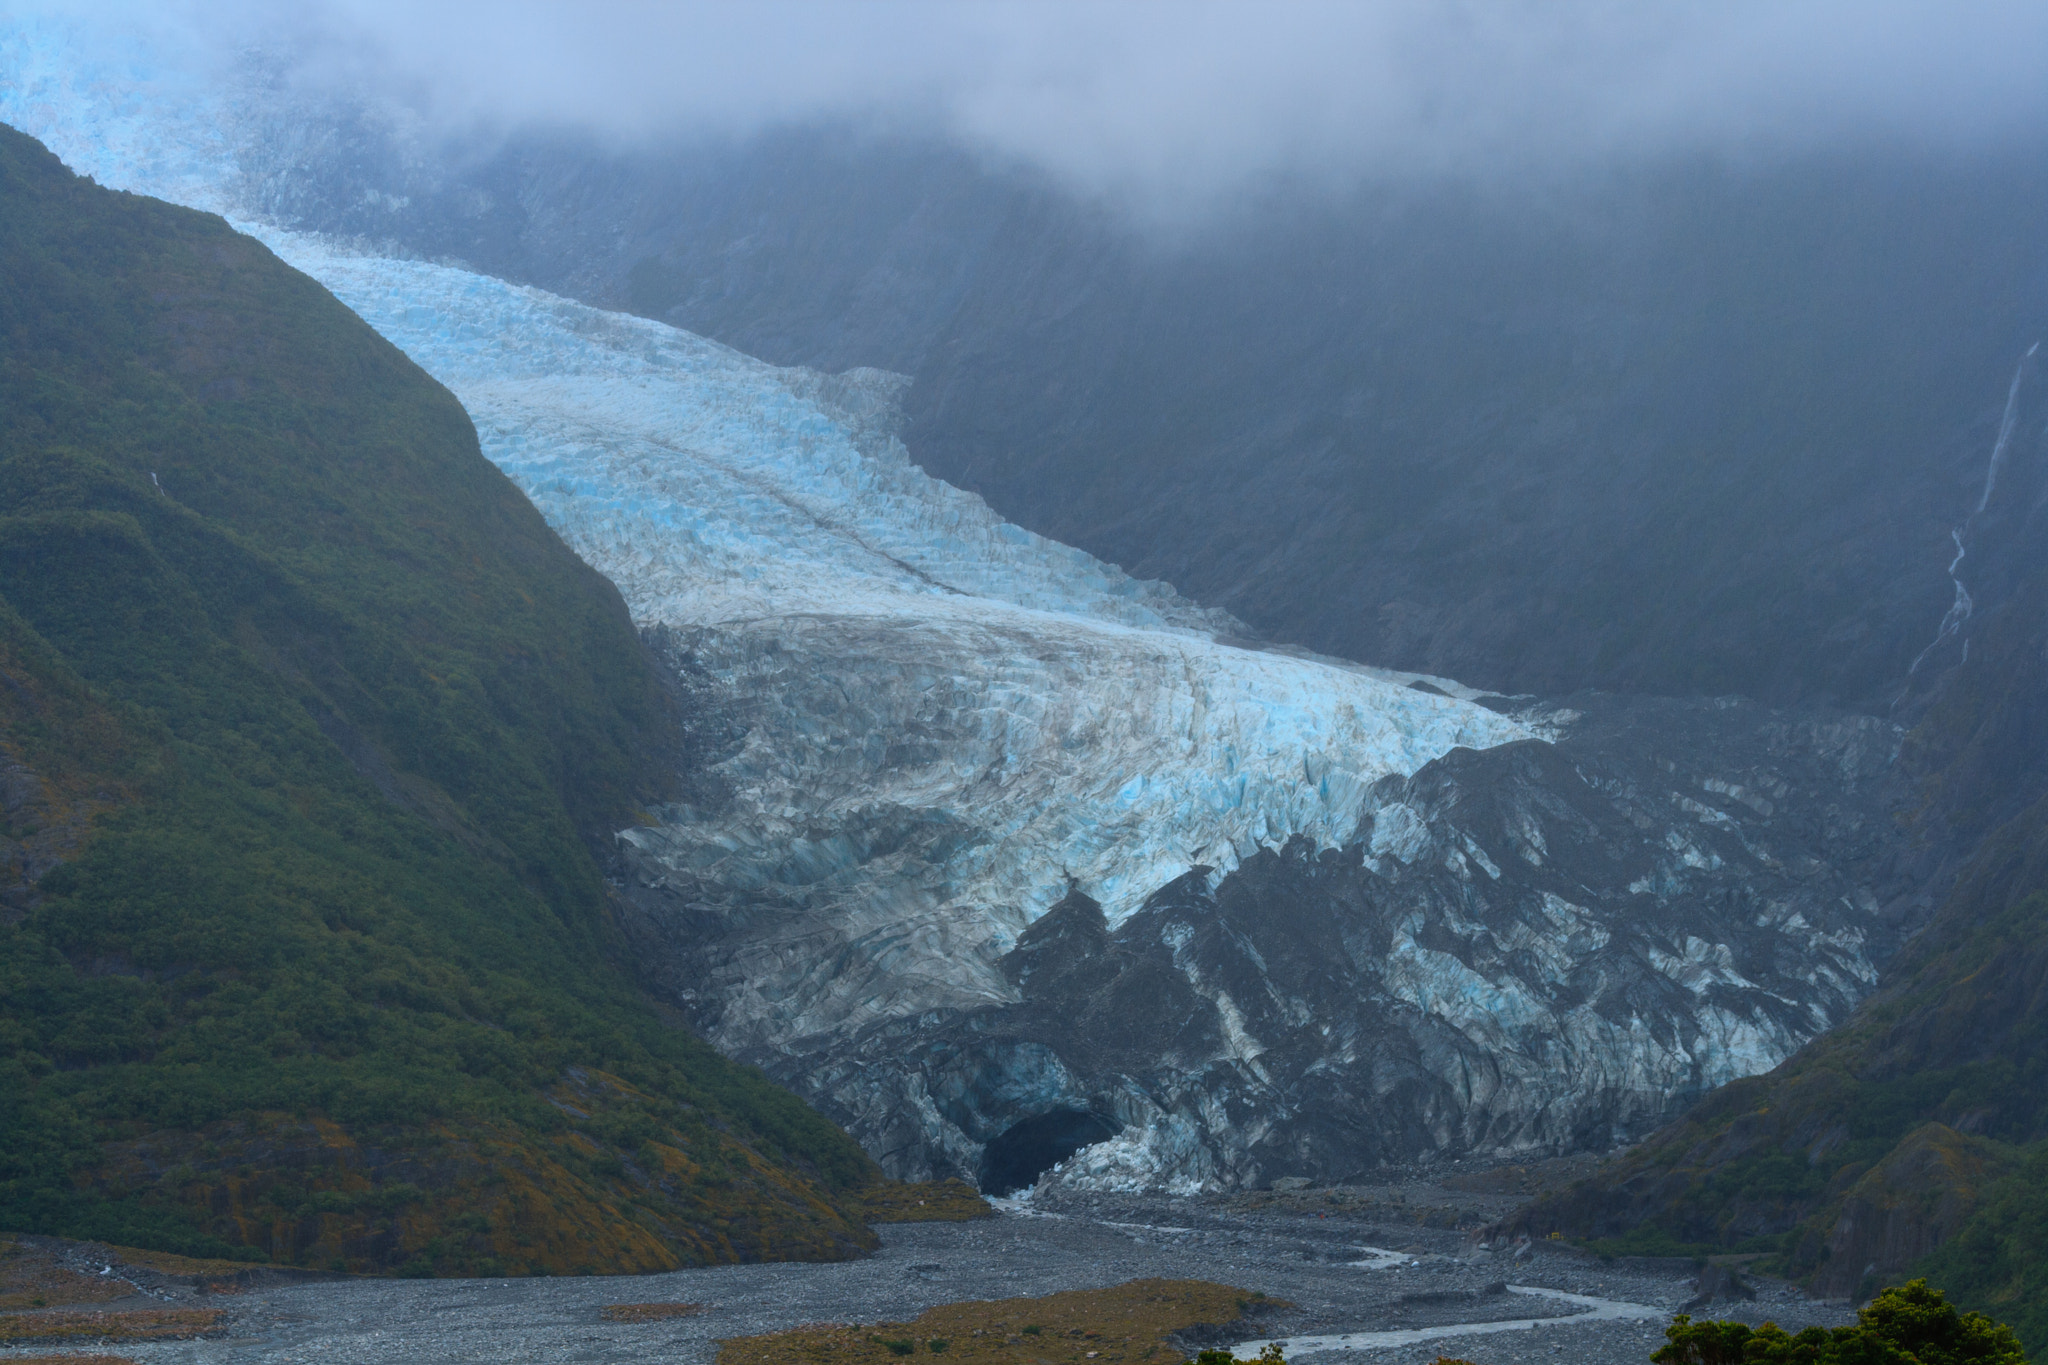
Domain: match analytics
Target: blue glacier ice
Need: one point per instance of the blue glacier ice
(906, 657)
(940, 722)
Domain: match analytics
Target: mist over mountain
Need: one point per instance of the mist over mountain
(1687, 428)
(1686, 423)
(1257, 603)
(1167, 113)
(1668, 362)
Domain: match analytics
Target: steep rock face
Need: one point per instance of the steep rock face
(1690, 428)
(1895, 1135)
(922, 728)
(1548, 944)
(1905, 1207)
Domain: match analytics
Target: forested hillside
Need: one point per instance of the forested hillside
(312, 735)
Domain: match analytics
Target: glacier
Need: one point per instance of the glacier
(907, 658)
(947, 748)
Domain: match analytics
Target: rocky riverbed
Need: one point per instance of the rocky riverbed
(1353, 1261)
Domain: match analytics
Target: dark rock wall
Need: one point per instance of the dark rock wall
(1692, 429)
(1886, 1138)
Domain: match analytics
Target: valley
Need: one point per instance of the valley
(921, 729)
(1343, 1260)
(563, 720)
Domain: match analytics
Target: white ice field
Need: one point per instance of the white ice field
(903, 655)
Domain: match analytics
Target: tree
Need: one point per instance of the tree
(1910, 1324)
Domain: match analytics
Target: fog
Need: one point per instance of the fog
(1173, 106)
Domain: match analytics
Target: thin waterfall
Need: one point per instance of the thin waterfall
(1959, 610)
(2005, 428)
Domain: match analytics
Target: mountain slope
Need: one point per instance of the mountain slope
(311, 730)
(921, 726)
(1919, 1129)
(1687, 428)
(931, 726)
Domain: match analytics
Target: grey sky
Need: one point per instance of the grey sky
(1173, 103)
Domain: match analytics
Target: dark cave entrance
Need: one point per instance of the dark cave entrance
(1014, 1160)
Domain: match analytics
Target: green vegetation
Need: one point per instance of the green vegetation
(1136, 1321)
(933, 1201)
(146, 1324)
(1913, 1139)
(1649, 1240)
(1999, 1258)
(1911, 1323)
(1914, 1130)
(311, 738)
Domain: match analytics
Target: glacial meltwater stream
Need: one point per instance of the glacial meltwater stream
(1596, 1310)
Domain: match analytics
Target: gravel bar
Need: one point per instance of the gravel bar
(1344, 1273)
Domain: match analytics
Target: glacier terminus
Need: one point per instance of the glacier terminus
(1021, 868)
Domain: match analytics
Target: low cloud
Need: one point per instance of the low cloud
(1170, 105)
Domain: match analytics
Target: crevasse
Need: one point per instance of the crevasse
(906, 659)
(932, 724)
(900, 647)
